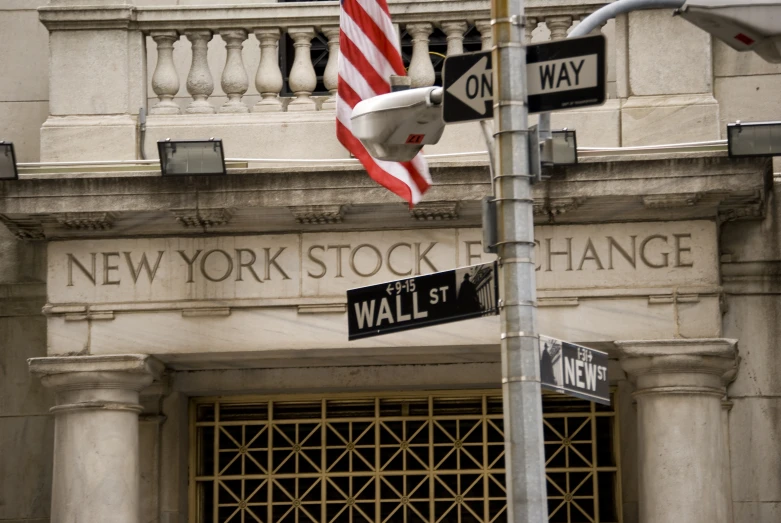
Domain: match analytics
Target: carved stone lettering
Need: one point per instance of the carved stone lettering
(328, 264)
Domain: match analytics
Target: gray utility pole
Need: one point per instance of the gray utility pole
(524, 449)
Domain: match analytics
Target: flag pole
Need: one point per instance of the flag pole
(524, 449)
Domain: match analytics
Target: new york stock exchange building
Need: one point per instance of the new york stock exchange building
(175, 349)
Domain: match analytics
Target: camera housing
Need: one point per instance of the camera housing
(395, 126)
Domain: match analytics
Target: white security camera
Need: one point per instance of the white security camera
(396, 126)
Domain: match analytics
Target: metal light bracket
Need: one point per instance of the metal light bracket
(535, 166)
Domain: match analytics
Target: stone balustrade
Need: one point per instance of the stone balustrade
(170, 27)
(236, 72)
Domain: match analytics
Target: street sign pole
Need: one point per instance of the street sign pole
(521, 388)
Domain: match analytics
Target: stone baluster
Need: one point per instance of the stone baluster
(558, 26)
(455, 36)
(680, 384)
(302, 80)
(484, 27)
(531, 25)
(165, 80)
(421, 70)
(96, 450)
(234, 76)
(331, 74)
(200, 84)
(269, 77)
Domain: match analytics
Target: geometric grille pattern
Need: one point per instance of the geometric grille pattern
(437, 458)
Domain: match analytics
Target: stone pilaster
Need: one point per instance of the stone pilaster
(96, 452)
(680, 385)
(97, 80)
(665, 80)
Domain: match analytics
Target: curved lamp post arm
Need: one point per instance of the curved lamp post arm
(596, 19)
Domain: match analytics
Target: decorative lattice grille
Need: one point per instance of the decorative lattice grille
(391, 458)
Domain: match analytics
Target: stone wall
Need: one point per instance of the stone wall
(24, 84)
(751, 256)
(26, 427)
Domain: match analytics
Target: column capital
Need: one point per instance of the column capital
(680, 365)
(96, 453)
(121, 371)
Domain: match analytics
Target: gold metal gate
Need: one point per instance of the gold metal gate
(391, 458)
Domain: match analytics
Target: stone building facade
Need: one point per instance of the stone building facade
(175, 349)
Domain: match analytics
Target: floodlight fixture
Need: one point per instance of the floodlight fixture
(8, 170)
(560, 149)
(754, 139)
(191, 157)
(395, 126)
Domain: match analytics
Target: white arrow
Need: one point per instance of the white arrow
(474, 88)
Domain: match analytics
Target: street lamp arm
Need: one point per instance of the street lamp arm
(596, 19)
(602, 15)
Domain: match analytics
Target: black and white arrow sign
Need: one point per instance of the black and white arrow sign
(474, 88)
(560, 75)
(467, 83)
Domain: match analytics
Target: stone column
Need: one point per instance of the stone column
(96, 454)
(679, 389)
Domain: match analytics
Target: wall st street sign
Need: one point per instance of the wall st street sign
(422, 301)
(574, 370)
(560, 75)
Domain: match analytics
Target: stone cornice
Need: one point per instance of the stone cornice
(753, 277)
(63, 18)
(89, 221)
(24, 228)
(147, 18)
(318, 214)
(429, 211)
(260, 200)
(202, 218)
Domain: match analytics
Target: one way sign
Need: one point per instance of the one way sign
(560, 75)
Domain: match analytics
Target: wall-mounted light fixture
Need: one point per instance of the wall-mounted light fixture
(8, 169)
(191, 157)
(560, 149)
(754, 139)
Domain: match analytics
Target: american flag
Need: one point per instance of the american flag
(368, 56)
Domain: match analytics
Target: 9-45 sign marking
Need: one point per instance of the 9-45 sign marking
(411, 303)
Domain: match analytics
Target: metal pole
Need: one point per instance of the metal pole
(524, 449)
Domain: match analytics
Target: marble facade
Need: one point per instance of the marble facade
(124, 295)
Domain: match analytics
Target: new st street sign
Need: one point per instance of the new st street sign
(560, 75)
(442, 297)
(574, 370)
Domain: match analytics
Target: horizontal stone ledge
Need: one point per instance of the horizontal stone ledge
(121, 363)
(332, 304)
(215, 305)
(760, 271)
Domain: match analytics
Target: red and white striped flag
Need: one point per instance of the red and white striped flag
(368, 56)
